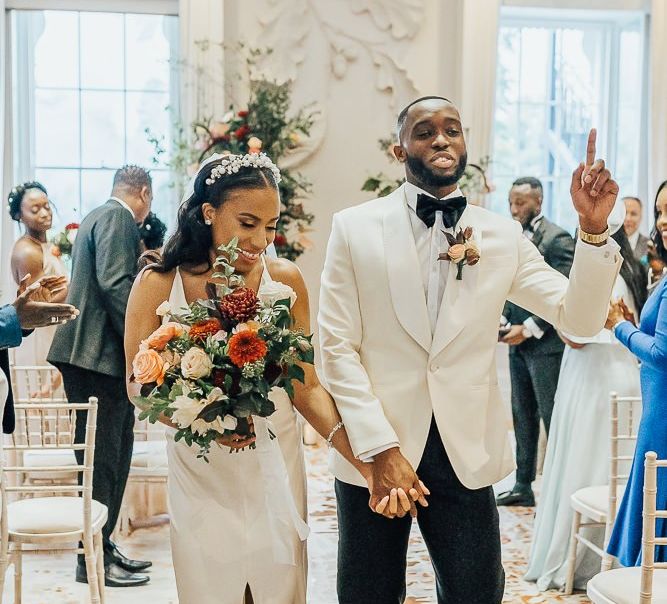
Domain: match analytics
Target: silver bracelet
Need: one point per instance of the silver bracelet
(337, 427)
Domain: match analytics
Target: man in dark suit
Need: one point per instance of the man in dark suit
(90, 352)
(535, 348)
(633, 221)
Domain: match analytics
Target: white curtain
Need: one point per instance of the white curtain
(657, 127)
(479, 50)
(6, 225)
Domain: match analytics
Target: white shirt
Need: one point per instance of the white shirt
(128, 208)
(430, 243)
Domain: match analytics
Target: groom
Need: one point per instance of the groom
(408, 352)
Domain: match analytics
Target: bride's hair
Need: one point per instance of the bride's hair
(191, 243)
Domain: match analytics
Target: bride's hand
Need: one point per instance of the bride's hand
(389, 505)
(238, 441)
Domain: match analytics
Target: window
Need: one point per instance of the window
(559, 74)
(86, 86)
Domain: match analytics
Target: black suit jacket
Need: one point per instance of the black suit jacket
(557, 247)
(104, 264)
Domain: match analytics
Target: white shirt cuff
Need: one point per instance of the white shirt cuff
(368, 456)
(607, 253)
(533, 328)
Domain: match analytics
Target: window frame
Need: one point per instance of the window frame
(612, 24)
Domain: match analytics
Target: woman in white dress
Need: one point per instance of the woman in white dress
(578, 448)
(238, 523)
(32, 254)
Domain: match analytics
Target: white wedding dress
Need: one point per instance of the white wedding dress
(239, 520)
(578, 449)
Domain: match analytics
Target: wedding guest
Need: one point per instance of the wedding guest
(29, 205)
(633, 220)
(152, 232)
(591, 369)
(648, 342)
(535, 348)
(31, 309)
(90, 354)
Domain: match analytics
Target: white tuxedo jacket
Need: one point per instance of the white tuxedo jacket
(388, 374)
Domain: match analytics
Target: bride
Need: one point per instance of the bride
(238, 523)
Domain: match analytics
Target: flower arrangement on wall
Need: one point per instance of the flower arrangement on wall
(264, 122)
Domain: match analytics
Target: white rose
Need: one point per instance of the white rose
(163, 309)
(196, 364)
(230, 422)
(186, 410)
(200, 426)
(272, 292)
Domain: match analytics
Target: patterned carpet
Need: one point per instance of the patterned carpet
(51, 580)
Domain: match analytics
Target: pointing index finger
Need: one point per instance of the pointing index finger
(590, 147)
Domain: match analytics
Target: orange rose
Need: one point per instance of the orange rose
(148, 367)
(162, 335)
(457, 252)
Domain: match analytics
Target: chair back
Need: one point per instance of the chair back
(624, 415)
(650, 517)
(33, 383)
(49, 427)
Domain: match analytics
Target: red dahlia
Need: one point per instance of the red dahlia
(246, 347)
(241, 132)
(239, 306)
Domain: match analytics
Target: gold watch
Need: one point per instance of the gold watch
(594, 239)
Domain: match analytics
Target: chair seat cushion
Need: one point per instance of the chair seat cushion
(42, 515)
(149, 456)
(593, 502)
(621, 586)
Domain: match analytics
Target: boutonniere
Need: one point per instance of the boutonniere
(463, 249)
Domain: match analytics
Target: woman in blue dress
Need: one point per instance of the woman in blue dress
(649, 343)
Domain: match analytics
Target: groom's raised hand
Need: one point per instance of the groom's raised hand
(392, 478)
(593, 190)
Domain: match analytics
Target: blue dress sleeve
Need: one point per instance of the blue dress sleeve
(10, 328)
(651, 350)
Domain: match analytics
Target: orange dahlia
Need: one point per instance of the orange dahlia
(202, 329)
(246, 347)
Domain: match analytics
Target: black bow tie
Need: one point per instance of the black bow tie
(451, 209)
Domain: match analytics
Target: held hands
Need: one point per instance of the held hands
(593, 191)
(514, 336)
(394, 485)
(619, 311)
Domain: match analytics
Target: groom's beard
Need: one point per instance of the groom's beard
(425, 174)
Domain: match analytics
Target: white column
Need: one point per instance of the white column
(201, 51)
(479, 49)
(657, 128)
(6, 224)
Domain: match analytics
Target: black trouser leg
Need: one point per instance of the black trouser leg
(114, 438)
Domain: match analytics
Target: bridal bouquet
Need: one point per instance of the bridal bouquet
(211, 368)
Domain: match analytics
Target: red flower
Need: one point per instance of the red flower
(203, 329)
(72, 226)
(246, 347)
(280, 240)
(218, 378)
(241, 132)
(243, 113)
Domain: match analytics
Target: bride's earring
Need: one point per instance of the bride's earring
(207, 222)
